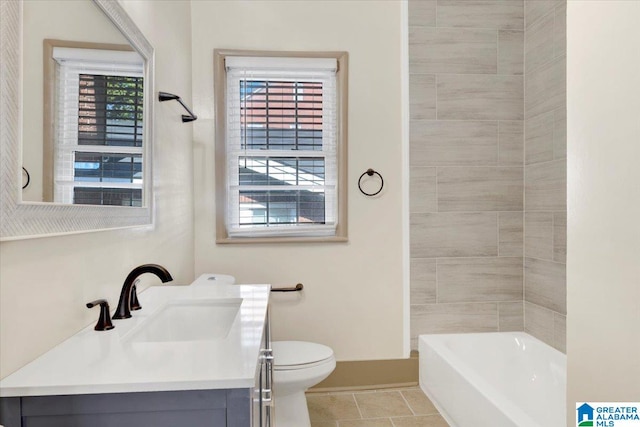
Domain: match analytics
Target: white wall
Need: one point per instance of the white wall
(603, 257)
(353, 297)
(44, 283)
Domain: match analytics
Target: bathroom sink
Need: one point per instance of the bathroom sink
(188, 320)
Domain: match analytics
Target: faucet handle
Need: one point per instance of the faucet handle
(135, 304)
(104, 321)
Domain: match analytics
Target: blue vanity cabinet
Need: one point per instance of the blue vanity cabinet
(237, 407)
(192, 408)
(160, 409)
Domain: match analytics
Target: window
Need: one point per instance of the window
(280, 146)
(98, 128)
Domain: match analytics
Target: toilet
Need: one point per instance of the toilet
(297, 366)
(214, 279)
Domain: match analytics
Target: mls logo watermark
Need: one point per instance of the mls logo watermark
(608, 414)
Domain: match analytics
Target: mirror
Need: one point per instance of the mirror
(78, 119)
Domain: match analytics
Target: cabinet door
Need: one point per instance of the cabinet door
(256, 410)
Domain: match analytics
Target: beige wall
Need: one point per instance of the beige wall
(545, 189)
(603, 268)
(45, 282)
(52, 20)
(353, 297)
(466, 98)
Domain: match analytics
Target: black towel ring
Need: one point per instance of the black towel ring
(28, 178)
(370, 172)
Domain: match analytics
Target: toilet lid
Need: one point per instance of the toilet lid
(296, 353)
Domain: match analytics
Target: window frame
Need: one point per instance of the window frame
(50, 116)
(221, 171)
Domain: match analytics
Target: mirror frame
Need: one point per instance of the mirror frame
(23, 220)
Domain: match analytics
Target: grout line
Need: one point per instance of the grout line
(545, 308)
(476, 120)
(519, 76)
(553, 237)
(458, 166)
(498, 233)
(467, 302)
(357, 406)
(436, 91)
(545, 260)
(437, 284)
(546, 162)
(497, 51)
(408, 405)
(495, 28)
(436, 12)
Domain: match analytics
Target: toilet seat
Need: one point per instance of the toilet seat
(294, 355)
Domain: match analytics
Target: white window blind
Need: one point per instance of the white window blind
(281, 145)
(98, 127)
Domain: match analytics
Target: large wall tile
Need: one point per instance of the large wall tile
(454, 318)
(511, 143)
(538, 321)
(454, 234)
(480, 97)
(560, 237)
(480, 189)
(545, 284)
(536, 9)
(422, 13)
(423, 280)
(422, 196)
(560, 30)
(481, 14)
(545, 170)
(539, 43)
(443, 143)
(479, 279)
(422, 103)
(510, 52)
(546, 186)
(510, 234)
(511, 316)
(546, 88)
(467, 134)
(539, 138)
(560, 332)
(452, 50)
(538, 238)
(560, 133)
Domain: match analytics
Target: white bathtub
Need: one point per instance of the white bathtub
(504, 379)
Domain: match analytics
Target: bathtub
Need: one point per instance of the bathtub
(502, 379)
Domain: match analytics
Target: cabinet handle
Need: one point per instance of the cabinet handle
(266, 395)
(267, 359)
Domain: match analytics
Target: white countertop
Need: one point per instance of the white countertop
(102, 362)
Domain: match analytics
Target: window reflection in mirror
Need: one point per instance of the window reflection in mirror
(82, 107)
(97, 132)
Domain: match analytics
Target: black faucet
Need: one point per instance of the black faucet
(127, 294)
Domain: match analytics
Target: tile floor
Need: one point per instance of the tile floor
(404, 407)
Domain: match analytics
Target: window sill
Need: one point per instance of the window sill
(302, 239)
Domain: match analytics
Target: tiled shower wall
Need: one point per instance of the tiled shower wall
(545, 220)
(476, 209)
(467, 174)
